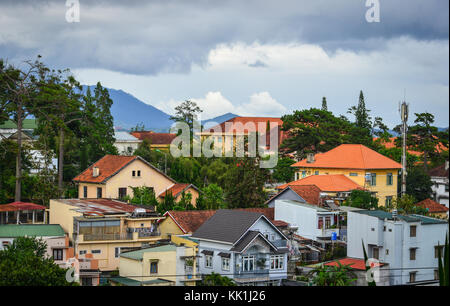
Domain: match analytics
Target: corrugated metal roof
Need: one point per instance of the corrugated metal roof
(124, 136)
(407, 218)
(31, 230)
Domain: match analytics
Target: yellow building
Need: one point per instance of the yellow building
(367, 168)
(113, 177)
(104, 227)
(168, 264)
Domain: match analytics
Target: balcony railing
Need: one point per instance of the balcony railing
(258, 273)
(97, 237)
(149, 234)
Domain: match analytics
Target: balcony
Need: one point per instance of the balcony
(100, 237)
(252, 276)
(148, 234)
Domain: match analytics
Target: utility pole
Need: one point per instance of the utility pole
(404, 116)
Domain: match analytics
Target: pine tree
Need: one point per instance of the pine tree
(324, 104)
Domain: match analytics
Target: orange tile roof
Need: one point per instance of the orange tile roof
(155, 138)
(17, 206)
(175, 189)
(391, 144)
(190, 220)
(310, 193)
(350, 156)
(354, 263)
(108, 166)
(329, 182)
(432, 206)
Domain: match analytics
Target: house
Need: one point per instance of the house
(227, 133)
(188, 221)
(312, 222)
(22, 213)
(58, 247)
(435, 209)
(408, 243)
(439, 177)
(244, 246)
(367, 168)
(318, 190)
(103, 227)
(159, 141)
(381, 272)
(126, 143)
(113, 177)
(162, 264)
(177, 191)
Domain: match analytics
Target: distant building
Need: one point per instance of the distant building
(159, 141)
(408, 243)
(244, 246)
(435, 209)
(126, 143)
(367, 168)
(439, 177)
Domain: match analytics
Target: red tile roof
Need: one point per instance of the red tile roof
(391, 144)
(439, 171)
(17, 206)
(190, 220)
(155, 138)
(432, 206)
(354, 263)
(329, 182)
(108, 166)
(350, 156)
(175, 189)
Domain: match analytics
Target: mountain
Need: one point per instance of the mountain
(128, 111)
(217, 120)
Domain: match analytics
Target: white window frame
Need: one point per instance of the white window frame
(276, 262)
(208, 261)
(248, 259)
(225, 264)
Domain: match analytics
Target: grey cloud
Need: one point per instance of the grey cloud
(257, 64)
(163, 36)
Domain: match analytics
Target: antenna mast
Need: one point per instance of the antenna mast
(404, 108)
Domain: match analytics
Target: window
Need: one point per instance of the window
(412, 277)
(5, 243)
(248, 263)
(316, 172)
(387, 251)
(412, 254)
(276, 262)
(384, 228)
(436, 251)
(122, 193)
(153, 267)
(208, 261)
(373, 179)
(327, 222)
(376, 253)
(117, 252)
(99, 192)
(86, 281)
(412, 231)
(388, 202)
(353, 174)
(320, 225)
(85, 191)
(446, 187)
(303, 173)
(134, 173)
(389, 179)
(58, 254)
(139, 173)
(82, 252)
(225, 264)
(96, 251)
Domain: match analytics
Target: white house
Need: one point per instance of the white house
(439, 177)
(126, 143)
(244, 246)
(313, 222)
(408, 243)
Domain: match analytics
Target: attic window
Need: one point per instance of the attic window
(139, 173)
(134, 173)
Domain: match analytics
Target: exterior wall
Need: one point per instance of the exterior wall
(194, 194)
(440, 190)
(383, 190)
(124, 179)
(287, 195)
(122, 146)
(168, 226)
(394, 242)
(91, 190)
(63, 215)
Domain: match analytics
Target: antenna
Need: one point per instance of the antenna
(404, 109)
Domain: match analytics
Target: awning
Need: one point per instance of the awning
(207, 252)
(223, 254)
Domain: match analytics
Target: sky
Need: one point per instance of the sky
(251, 58)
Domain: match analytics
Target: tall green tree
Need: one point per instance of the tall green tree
(23, 263)
(324, 104)
(361, 113)
(213, 197)
(283, 172)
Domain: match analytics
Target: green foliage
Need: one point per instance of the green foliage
(418, 184)
(406, 205)
(324, 104)
(215, 279)
(23, 263)
(213, 197)
(443, 266)
(283, 172)
(340, 275)
(361, 199)
(142, 196)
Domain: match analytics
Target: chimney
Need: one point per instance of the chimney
(95, 171)
(310, 158)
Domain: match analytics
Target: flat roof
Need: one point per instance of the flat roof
(380, 214)
(31, 230)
